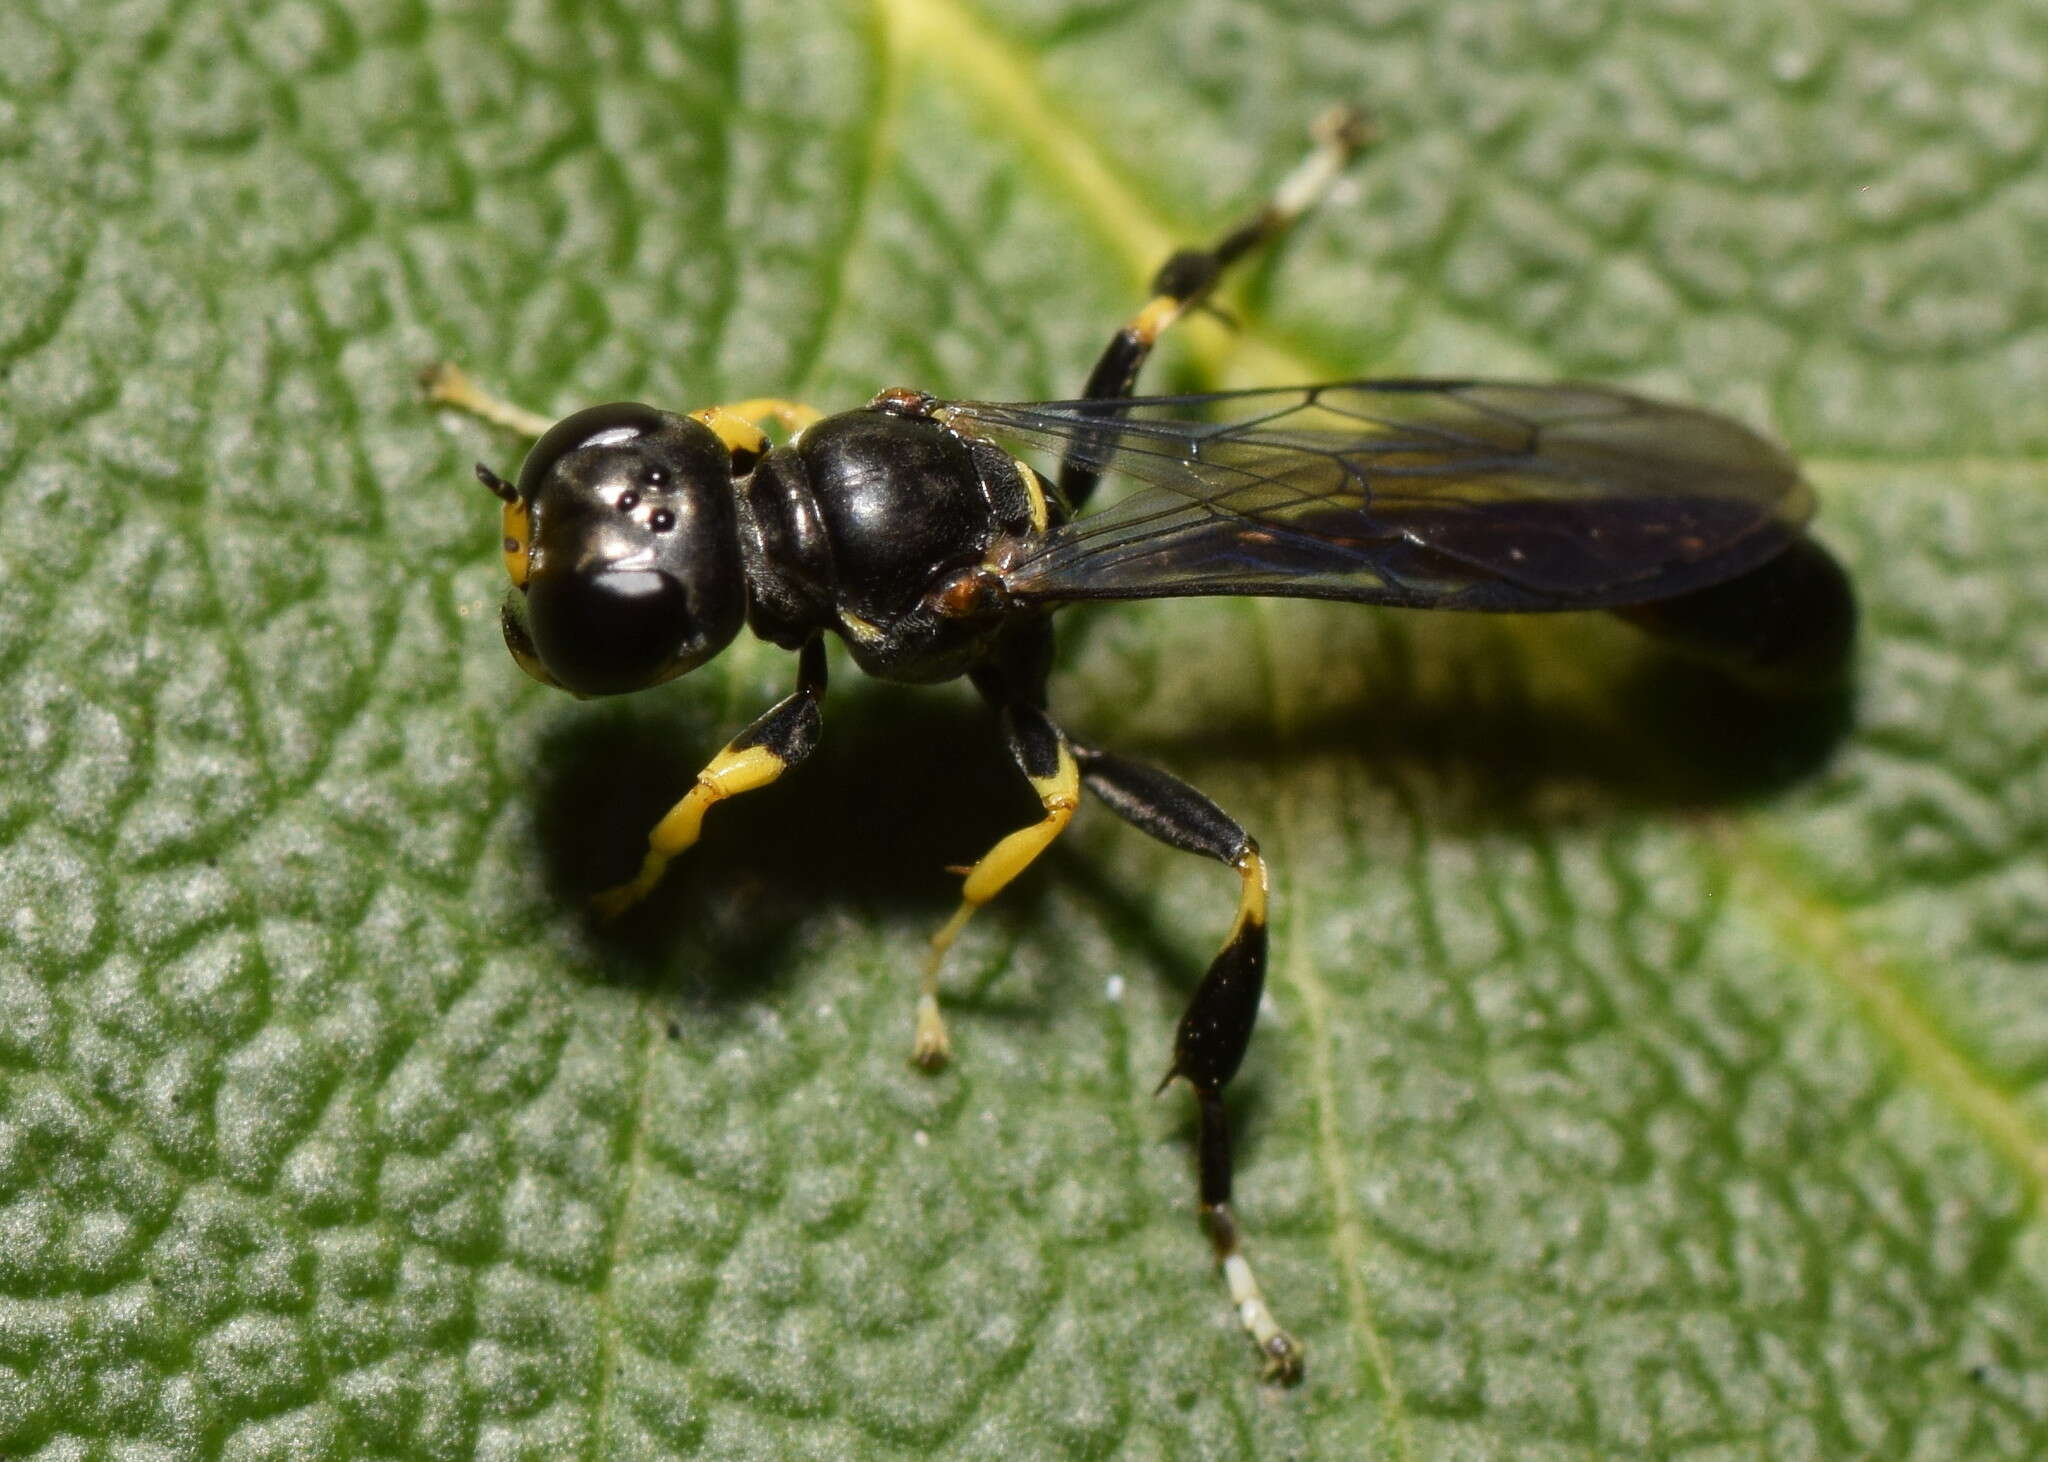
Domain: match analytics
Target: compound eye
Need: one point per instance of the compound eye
(610, 632)
(613, 424)
(519, 639)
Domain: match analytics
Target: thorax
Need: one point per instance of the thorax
(860, 524)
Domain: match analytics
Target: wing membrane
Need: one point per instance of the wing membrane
(1458, 494)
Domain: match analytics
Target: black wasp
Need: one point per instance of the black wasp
(639, 542)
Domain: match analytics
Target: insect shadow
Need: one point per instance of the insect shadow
(909, 781)
(1643, 727)
(906, 783)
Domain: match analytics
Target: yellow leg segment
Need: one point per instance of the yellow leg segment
(449, 385)
(1059, 794)
(1160, 312)
(738, 423)
(791, 416)
(1252, 894)
(729, 774)
(1281, 1352)
(779, 739)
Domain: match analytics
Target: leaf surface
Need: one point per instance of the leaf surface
(1641, 1074)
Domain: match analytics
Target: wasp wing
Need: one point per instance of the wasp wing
(1456, 494)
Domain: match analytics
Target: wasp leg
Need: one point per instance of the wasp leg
(757, 756)
(791, 416)
(1041, 750)
(1217, 1025)
(1185, 280)
(446, 384)
(738, 425)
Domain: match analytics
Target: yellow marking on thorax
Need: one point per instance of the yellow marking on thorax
(864, 630)
(1041, 516)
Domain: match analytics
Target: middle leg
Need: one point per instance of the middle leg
(1047, 761)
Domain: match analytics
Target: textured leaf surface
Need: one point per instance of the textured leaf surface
(1641, 1075)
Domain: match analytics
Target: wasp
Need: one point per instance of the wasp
(639, 542)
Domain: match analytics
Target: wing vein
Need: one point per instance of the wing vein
(1473, 494)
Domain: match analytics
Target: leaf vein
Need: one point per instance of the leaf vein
(1879, 990)
(635, 1163)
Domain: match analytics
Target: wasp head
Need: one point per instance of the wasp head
(622, 542)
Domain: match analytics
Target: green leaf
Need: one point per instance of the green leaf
(1637, 1078)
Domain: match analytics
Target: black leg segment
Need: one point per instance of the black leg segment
(782, 737)
(1186, 278)
(1217, 1026)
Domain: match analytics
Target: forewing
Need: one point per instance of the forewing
(1460, 494)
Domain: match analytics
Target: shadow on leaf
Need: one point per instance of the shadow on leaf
(1644, 729)
(905, 784)
(909, 782)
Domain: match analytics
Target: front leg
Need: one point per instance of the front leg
(757, 756)
(446, 384)
(736, 423)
